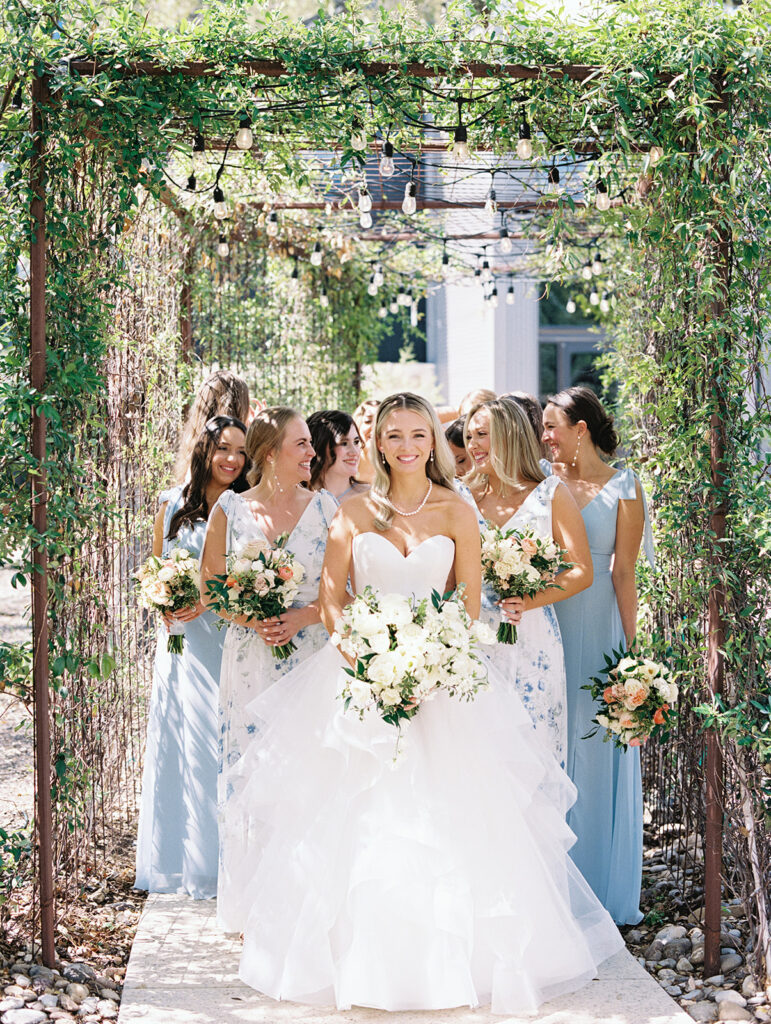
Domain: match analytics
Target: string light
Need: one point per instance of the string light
(372, 287)
(460, 139)
(365, 199)
(554, 179)
(244, 137)
(605, 303)
(603, 199)
(220, 206)
(409, 203)
(445, 262)
(491, 206)
(358, 138)
(192, 184)
(594, 297)
(316, 255)
(387, 167)
(597, 265)
(486, 274)
(505, 244)
(570, 306)
(199, 153)
(586, 271)
(403, 296)
(393, 306)
(383, 312)
(494, 298)
(366, 220)
(271, 227)
(510, 296)
(377, 275)
(413, 311)
(524, 146)
(655, 153)
(223, 249)
(324, 298)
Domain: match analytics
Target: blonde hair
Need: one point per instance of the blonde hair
(221, 394)
(514, 451)
(359, 410)
(475, 398)
(266, 435)
(440, 469)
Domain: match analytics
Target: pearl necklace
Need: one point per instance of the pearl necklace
(415, 510)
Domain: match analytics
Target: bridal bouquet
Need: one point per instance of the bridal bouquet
(262, 581)
(519, 563)
(406, 650)
(636, 699)
(169, 583)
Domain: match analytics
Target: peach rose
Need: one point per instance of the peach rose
(638, 697)
(608, 695)
(659, 716)
(635, 742)
(285, 572)
(529, 546)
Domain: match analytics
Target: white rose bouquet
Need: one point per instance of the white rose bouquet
(169, 583)
(407, 650)
(636, 698)
(262, 581)
(519, 563)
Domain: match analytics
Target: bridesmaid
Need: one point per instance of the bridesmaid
(278, 444)
(338, 446)
(221, 394)
(510, 491)
(607, 816)
(177, 839)
(364, 418)
(455, 434)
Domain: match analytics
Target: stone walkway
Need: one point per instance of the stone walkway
(183, 970)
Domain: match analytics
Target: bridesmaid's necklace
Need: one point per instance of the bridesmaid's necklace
(415, 510)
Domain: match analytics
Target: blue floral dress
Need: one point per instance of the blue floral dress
(177, 837)
(248, 668)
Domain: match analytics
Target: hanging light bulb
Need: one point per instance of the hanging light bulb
(387, 167)
(486, 273)
(505, 244)
(372, 287)
(220, 206)
(510, 296)
(316, 255)
(597, 265)
(605, 303)
(494, 298)
(570, 306)
(524, 146)
(377, 275)
(445, 262)
(491, 206)
(603, 199)
(271, 227)
(409, 203)
(554, 180)
(323, 298)
(191, 183)
(358, 137)
(383, 312)
(403, 297)
(413, 312)
(460, 145)
(199, 153)
(295, 273)
(586, 271)
(393, 306)
(594, 297)
(478, 272)
(365, 199)
(244, 137)
(223, 249)
(366, 220)
(655, 153)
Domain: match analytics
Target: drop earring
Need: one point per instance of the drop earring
(431, 456)
(575, 457)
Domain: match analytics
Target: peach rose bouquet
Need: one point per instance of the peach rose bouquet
(636, 698)
(519, 563)
(262, 581)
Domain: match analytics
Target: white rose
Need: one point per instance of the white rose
(361, 694)
(253, 549)
(365, 622)
(482, 632)
(167, 573)
(626, 665)
(157, 592)
(395, 609)
(380, 642)
(383, 668)
(532, 575)
(410, 633)
(390, 697)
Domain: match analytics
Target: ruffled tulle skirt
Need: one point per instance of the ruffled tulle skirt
(436, 879)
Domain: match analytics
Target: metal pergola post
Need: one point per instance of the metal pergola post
(40, 670)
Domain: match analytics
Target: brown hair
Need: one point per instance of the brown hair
(221, 394)
(266, 435)
(581, 403)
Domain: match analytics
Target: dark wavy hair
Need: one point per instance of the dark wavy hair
(580, 403)
(194, 506)
(327, 428)
(455, 432)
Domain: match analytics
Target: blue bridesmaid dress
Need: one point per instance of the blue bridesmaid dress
(607, 817)
(177, 842)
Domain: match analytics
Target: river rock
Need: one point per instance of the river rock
(696, 956)
(21, 980)
(107, 1008)
(655, 951)
(670, 932)
(732, 1011)
(684, 966)
(24, 1017)
(728, 995)
(11, 1003)
(705, 1012)
(749, 987)
(48, 999)
(66, 1002)
(25, 994)
(77, 992)
(676, 948)
(730, 962)
(109, 993)
(82, 973)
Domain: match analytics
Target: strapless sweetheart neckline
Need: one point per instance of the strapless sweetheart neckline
(436, 536)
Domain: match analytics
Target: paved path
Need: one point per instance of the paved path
(183, 970)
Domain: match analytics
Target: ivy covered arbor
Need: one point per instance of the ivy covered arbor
(649, 131)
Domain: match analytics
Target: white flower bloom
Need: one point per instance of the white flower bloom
(390, 697)
(395, 609)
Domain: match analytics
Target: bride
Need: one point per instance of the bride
(437, 880)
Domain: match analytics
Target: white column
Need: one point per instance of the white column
(516, 338)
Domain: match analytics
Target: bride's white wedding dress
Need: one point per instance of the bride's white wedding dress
(440, 879)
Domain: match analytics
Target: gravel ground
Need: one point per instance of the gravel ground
(16, 756)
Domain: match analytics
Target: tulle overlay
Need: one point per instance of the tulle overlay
(436, 879)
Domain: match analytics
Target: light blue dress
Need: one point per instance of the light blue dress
(248, 668)
(177, 839)
(607, 817)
